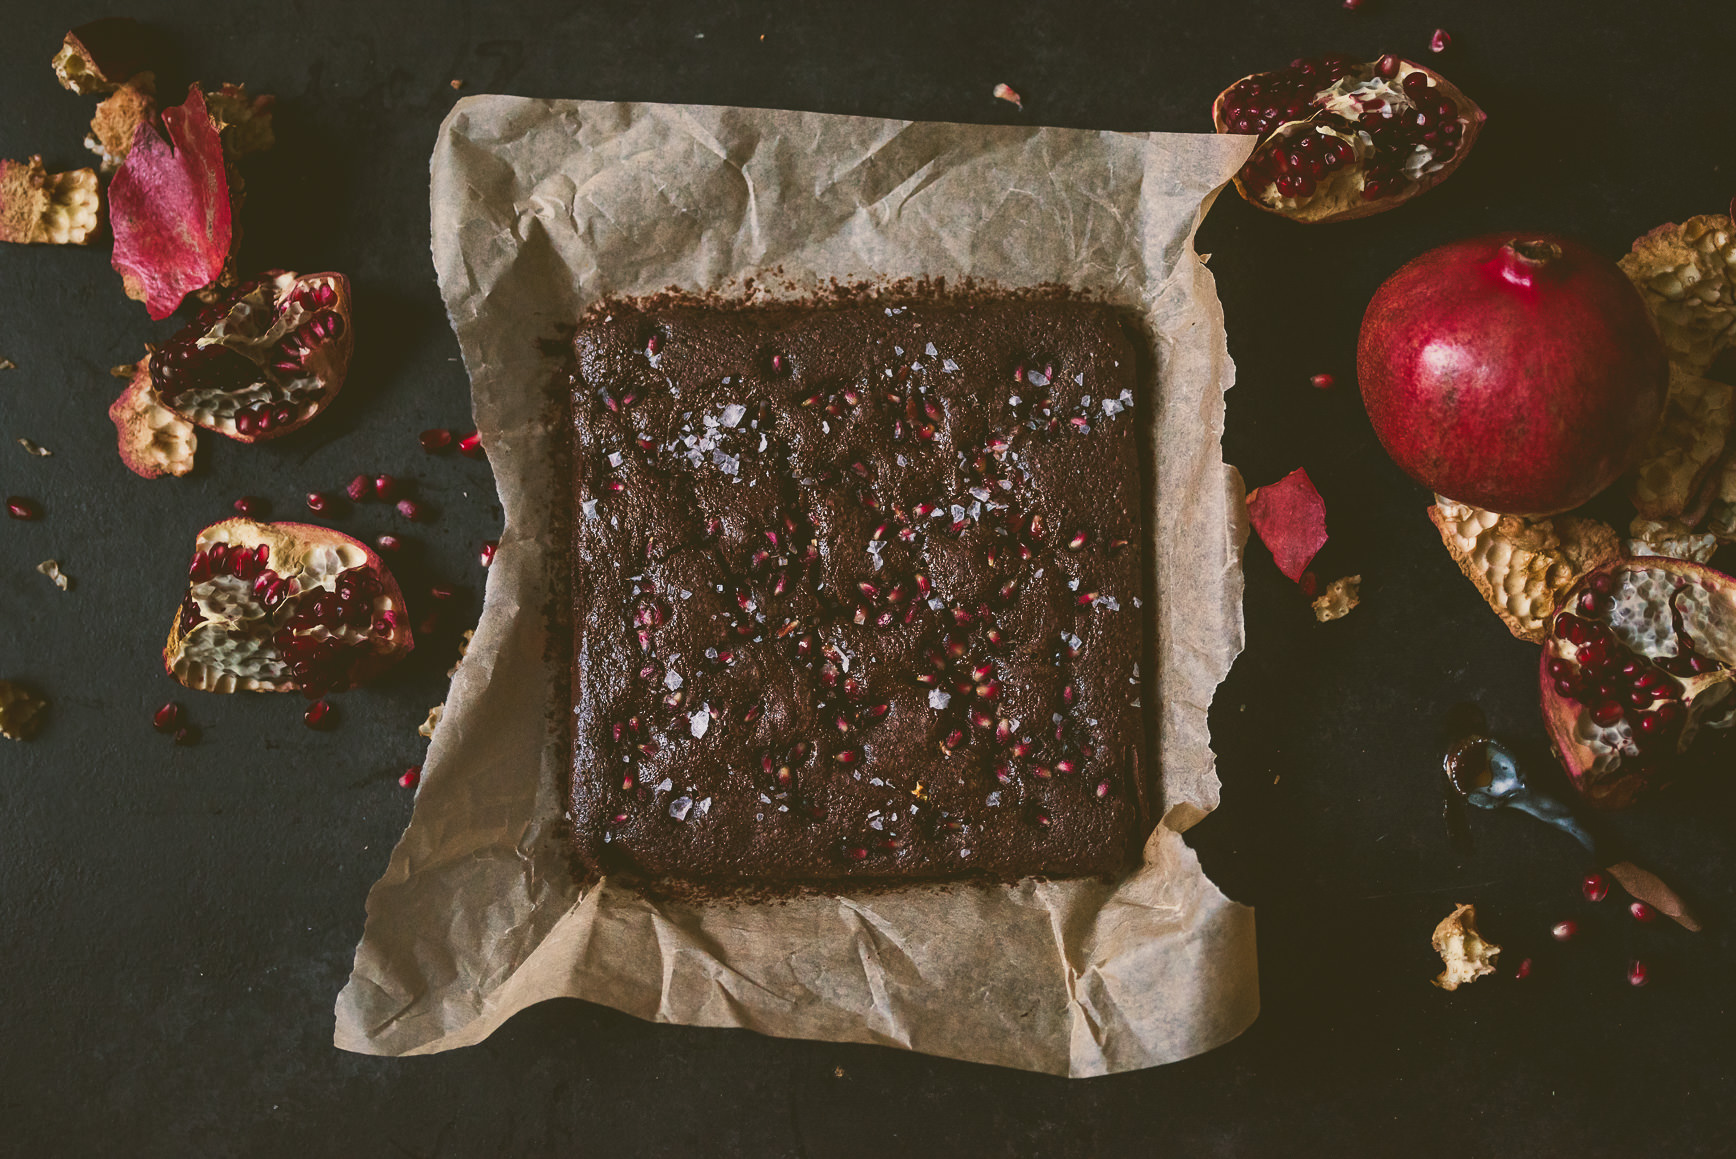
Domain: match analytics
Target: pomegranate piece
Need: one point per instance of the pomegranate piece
(1464, 953)
(1682, 454)
(100, 56)
(154, 440)
(1290, 519)
(1687, 276)
(1522, 567)
(1641, 658)
(170, 210)
(1515, 372)
(20, 711)
(263, 361)
(281, 607)
(39, 207)
(117, 120)
(1341, 139)
(1670, 537)
(1340, 596)
(243, 121)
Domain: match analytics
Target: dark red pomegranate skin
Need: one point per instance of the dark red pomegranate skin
(1516, 372)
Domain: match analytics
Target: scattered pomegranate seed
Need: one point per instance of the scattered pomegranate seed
(436, 439)
(388, 543)
(1595, 887)
(21, 508)
(411, 778)
(317, 501)
(471, 445)
(408, 509)
(1440, 41)
(856, 853)
(1524, 970)
(318, 713)
(167, 718)
(442, 592)
(1637, 975)
(1562, 931)
(249, 507)
(1352, 5)
(489, 546)
(359, 488)
(385, 486)
(1323, 382)
(1642, 912)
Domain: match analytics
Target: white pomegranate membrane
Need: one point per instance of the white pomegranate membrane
(1640, 660)
(262, 361)
(281, 607)
(1340, 134)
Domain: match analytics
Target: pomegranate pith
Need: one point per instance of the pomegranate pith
(1518, 373)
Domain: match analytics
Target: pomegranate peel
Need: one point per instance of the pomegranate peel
(243, 121)
(1340, 139)
(1669, 537)
(1465, 954)
(264, 360)
(154, 440)
(1522, 567)
(1518, 372)
(1290, 518)
(39, 207)
(282, 607)
(170, 210)
(1682, 453)
(100, 56)
(1686, 275)
(1340, 596)
(1643, 657)
(20, 711)
(118, 118)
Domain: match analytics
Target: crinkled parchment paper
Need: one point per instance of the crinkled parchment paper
(540, 208)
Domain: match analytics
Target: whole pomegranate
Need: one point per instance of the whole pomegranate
(284, 607)
(1642, 656)
(1519, 373)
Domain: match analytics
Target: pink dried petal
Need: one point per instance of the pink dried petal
(1290, 519)
(169, 209)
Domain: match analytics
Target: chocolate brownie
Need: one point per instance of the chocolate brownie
(856, 592)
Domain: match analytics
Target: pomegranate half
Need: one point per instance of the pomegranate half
(282, 607)
(1519, 373)
(1642, 656)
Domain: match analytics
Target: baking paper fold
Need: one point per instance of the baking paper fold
(542, 207)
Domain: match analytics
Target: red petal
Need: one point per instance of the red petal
(1290, 518)
(169, 209)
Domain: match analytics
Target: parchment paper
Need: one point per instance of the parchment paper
(540, 208)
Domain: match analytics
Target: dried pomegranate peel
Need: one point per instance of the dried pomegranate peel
(1464, 953)
(39, 207)
(118, 118)
(154, 440)
(1290, 518)
(243, 121)
(282, 607)
(1687, 276)
(1522, 567)
(1643, 657)
(262, 361)
(20, 711)
(1683, 452)
(101, 56)
(1339, 598)
(1341, 139)
(1669, 537)
(170, 210)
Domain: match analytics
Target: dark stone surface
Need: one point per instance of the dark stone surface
(174, 923)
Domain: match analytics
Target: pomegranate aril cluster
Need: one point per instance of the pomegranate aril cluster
(1611, 681)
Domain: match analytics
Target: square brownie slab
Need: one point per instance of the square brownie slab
(856, 592)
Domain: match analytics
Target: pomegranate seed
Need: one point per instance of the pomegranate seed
(385, 486)
(1076, 541)
(1562, 931)
(412, 776)
(1352, 5)
(1440, 41)
(1387, 66)
(249, 507)
(318, 713)
(440, 592)
(1595, 887)
(1524, 970)
(317, 501)
(471, 445)
(436, 439)
(846, 756)
(389, 543)
(1642, 912)
(167, 718)
(359, 488)
(21, 508)
(1323, 381)
(856, 853)
(1637, 974)
(408, 509)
